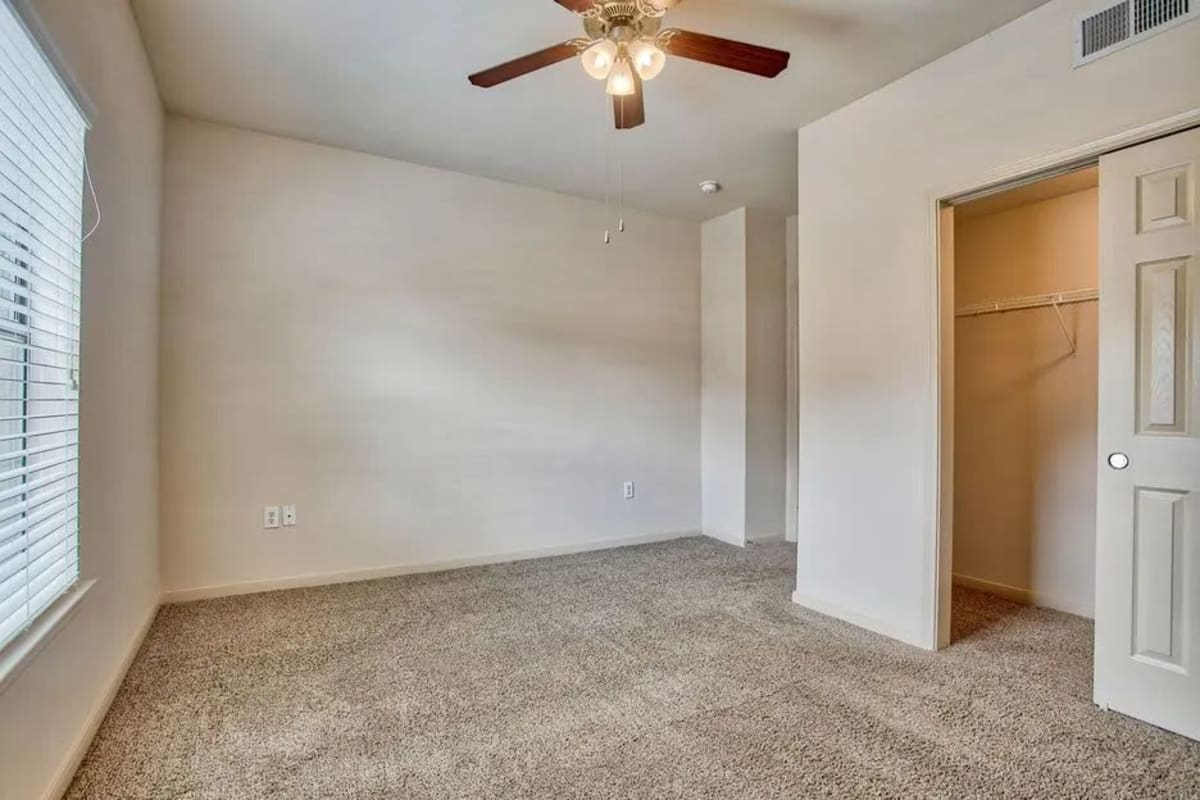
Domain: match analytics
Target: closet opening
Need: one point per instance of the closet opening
(1025, 268)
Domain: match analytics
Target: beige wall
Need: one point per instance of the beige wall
(723, 387)
(48, 712)
(791, 489)
(744, 384)
(766, 374)
(869, 177)
(1025, 407)
(433, 367)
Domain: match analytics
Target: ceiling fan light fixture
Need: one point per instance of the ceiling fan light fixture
(625, 45)
(648, 60)
(598, 60)
(620, 80)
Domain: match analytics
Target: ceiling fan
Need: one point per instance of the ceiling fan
(626, 45)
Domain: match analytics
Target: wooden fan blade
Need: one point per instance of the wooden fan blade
(578, 6)
(630, 110)
(727, 53)
(524, 65)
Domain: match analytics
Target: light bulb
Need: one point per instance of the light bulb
(620, 80)
(599, 58)
(648, 60)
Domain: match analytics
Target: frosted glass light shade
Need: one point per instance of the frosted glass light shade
(648, 60)
(620, 80)
(598, 59)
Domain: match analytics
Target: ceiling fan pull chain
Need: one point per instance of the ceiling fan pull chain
(606, 145)
(620, 173)
(620, 189)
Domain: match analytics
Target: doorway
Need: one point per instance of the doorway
(1025, 400)
(1146, 591)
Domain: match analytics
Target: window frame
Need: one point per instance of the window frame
(37, 631)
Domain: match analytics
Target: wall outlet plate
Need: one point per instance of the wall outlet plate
(630, 490)
(270, 516)
(289, 516)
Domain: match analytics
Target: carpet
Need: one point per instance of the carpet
(674, 670)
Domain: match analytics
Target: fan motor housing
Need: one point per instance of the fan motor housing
(621, 21)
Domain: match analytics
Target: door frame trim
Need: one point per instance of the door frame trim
(939, 548)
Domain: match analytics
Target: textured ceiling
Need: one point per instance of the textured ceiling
(389, 77)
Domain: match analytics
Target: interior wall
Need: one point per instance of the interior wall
(793, 383)
(434, 368)
(744, 376)
(766, 374)
(869, 178)
(48, 712)
(1025, 406)
(723, 383)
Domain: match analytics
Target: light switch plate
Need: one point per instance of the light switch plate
(270, 516)
(630, 490)
(289, 516)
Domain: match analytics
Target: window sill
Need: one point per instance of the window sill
(18, 653)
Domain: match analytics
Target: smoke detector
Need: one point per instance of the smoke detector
(710, 187)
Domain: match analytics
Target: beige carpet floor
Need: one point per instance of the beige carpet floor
(678, 670)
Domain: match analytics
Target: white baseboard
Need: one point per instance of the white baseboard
(1026, 597)
(66, 771)
(764, 538)
(861, 620)
(727, 538)
(394, 570)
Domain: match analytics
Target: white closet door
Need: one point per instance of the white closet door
(1148, 515)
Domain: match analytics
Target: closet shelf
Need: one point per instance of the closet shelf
(1032, 301)
(1035, 301)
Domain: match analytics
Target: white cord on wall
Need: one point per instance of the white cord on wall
(95, 200)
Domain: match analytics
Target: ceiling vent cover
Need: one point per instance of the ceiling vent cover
(1130, 21)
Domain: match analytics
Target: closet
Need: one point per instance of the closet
(1025, 386)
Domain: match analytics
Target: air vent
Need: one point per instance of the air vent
(1130, 21)
(1150, 14)
(1104, 29)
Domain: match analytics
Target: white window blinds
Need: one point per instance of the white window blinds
(41, 220)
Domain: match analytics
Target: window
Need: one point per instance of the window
(41, 219)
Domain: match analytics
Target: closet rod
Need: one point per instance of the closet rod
(1032, 301)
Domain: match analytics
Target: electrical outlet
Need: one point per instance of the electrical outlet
(270, 516)
(289, 516)
(630, 490)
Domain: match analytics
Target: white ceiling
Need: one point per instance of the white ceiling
(389, 77)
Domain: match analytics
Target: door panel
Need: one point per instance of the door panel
(1158, 577)
(1148, 504)
(1162, 347)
